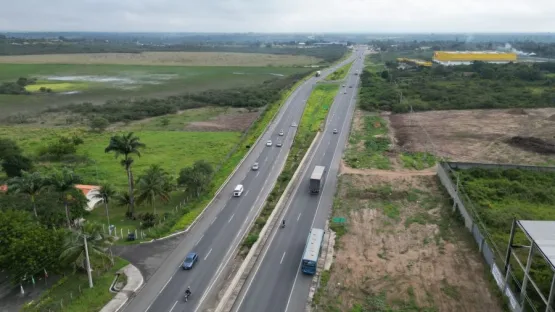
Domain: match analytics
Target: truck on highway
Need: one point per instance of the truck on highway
(318, 73)
(316, 179)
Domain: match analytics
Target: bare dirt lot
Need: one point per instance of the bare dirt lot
(225, 122)
(166, 58)
(490, 136)
(402, 250)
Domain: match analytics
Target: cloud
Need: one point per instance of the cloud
(280, 15)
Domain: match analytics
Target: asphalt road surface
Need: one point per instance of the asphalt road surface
(218, 233)
(277, 283)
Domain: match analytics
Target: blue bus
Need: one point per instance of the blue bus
(312, 251)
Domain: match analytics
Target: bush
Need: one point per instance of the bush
(250, 240)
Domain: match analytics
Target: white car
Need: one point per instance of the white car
(334, 131)
(343, 86)
(281, 133)
(279, 144)
(269, 143)
(294, 124)
(255, 166)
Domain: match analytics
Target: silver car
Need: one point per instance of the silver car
(269, 143)
(279, 144)
(255, 166)
(281, 133)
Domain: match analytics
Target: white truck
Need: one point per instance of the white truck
(316, 179)
(318, 73)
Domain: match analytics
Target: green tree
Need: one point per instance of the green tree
(63, 182)
(99, 124)
(197, 178)
(154, 184)
(27, 247)
(30, 184)
(124, 200)
(97, 244)
(14, 165)
(105, 193)
(126, 145)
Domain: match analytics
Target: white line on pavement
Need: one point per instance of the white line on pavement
(208, 254)
(216, 217)
(257, 174)
(199, 239)
(299, 217)
(233, 215)
(247, 192)
(282, 257)
(173, 306)
(161, 290)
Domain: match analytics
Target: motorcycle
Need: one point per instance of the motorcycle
(187, 296)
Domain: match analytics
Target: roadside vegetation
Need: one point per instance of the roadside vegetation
(312, 121)
(501, 195)
(340, 74)
(400, 249)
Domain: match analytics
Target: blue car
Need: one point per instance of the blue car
(190, 260)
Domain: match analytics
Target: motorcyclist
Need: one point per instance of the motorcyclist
(283, 223)
(188, 291)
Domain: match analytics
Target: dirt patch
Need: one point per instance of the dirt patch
(226, 122)
(532, 144)
(475, 135)
(344, 169)
(165, 58)
(517, 111)
(403, 251)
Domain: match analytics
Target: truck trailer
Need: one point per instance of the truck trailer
(317, 179)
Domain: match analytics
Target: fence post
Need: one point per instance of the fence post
(121, 233)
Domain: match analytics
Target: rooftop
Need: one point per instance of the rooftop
(542, 233)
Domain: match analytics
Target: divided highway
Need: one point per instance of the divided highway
(277, 283)
(219, 231)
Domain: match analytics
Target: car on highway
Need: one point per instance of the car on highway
(343, 86)
(269, 143)
(334, 131)
(294, 124)
(281, 132)
(190, 261)
(255, 166)
(350, 86)
(279, 144)
(345, 92)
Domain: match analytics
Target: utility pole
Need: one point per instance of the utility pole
(88, 262)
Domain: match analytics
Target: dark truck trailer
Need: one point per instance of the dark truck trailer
(317, 179)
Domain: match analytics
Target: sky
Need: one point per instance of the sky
(279, 15)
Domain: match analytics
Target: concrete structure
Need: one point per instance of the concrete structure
(448, 58)
(414, 61)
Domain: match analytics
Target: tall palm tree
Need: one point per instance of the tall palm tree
(105, 193)
(154, 183)
(64, 182)
(30, 184)
(126, 145)
(97, 244)
(123, 200)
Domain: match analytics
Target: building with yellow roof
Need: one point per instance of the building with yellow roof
(467, 57)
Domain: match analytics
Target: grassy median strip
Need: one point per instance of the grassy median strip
(340, 74)
(312, 121)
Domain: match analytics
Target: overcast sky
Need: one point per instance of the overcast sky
(279, 15)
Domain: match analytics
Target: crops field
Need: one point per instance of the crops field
(74, 83)
(166, 58)
(172, 150)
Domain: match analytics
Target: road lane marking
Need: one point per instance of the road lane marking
(173, 306)
(324, 154)
(319, 200)
(216, 217)
(299, 217)
(161, 290)
(233, 215)
(247, 192)
(265, 158)
(199, 239)
(208, 254)
(282, 257)
(257, 174)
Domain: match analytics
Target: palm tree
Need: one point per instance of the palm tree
(123, 200)
(105, 193)
(155, 183)
(97, 244)
(30, 184)
(126, 145)
(64, 182)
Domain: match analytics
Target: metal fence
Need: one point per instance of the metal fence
(463, 204)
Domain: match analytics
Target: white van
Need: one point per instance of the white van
(238, 190)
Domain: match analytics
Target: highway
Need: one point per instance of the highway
(277, 283)
(216, 236)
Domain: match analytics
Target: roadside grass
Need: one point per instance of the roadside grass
(312, 120)
(99, 83)
(368, 144)
(340, 73)
(57, 86)
(72, 293)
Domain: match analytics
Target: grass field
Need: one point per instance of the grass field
(72, 294)
(172, 150)
(98, 83)
(401, 250)
(166, 58)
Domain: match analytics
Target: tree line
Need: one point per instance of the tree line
(41, 214)
(476, 86)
